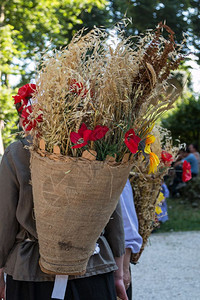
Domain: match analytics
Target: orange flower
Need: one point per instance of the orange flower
(154, 162)
(150, 139)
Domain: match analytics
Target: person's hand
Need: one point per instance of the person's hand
(118, 277)
(127, 278)
(120, 289)
(2, 286)
(126, 268)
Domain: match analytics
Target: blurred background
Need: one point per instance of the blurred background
(28, 28)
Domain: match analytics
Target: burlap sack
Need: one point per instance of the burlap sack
(73, 201)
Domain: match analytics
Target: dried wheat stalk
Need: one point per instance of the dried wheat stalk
(122, 87)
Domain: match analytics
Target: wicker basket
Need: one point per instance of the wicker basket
(73, 201)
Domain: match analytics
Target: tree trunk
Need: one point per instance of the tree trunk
(2, 18)
(1, 142)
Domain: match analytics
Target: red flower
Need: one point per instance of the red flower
(28, 122)
(186, 175)
(84, 135)
(132, 140)
(26, 91)
(26, 112)
(81, 138)
(77, 88)
(24, 94)
(98, 132)
(166, 158)
(17, 99)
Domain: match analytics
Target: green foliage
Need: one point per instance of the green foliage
(89, 18)
(184, 121)
(191, 192)
(8, 51)
(26, 28)
(182, 217)
(181, 15)
(38, 21)
(195, 23)
(8, 114)
(103, 149)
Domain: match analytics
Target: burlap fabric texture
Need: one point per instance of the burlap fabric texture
(73, 201)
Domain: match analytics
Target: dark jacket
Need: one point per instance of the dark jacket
(19, 251)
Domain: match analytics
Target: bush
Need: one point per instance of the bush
(191, 192)
(183, 122)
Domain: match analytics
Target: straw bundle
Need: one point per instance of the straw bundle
(146, 189)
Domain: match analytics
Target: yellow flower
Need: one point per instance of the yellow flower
(158, 210)
(153, 158)
(161, 197)
(147, 149)
(159, 200)
(154, 162)
(150, 139)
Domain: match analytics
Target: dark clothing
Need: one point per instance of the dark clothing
(194, 175)
(177, 180)
(129, 292)
(19, 251)
(77, 289)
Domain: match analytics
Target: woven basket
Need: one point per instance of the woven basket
(73, 201)
(146, 189)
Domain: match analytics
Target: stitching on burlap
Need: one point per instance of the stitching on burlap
(111, 185)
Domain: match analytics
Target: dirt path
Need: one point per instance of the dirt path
(169, 268)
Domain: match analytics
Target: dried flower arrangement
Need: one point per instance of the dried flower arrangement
(91, 116)
(147, 186)
(90, 96)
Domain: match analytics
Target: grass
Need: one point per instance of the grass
(182, 216)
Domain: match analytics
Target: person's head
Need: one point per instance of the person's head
(183, 152)
(193, 148)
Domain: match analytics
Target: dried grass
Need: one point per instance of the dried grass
(146, 187)
(126, 87)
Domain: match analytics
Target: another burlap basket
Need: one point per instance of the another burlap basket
(73, 201)
(146, 190)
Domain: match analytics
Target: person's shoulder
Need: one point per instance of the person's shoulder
(16, 147)
(191, 155)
